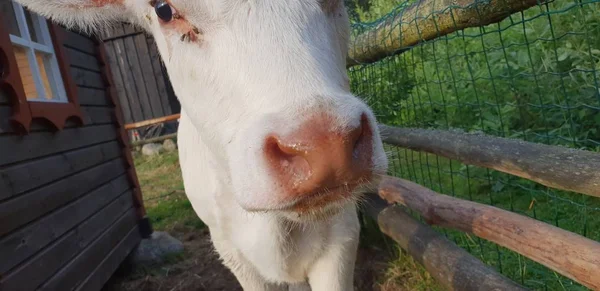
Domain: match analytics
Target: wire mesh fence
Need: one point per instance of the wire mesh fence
(532, 76)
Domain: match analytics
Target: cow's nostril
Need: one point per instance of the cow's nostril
(315, 158)
(360, 138)
(287, 160)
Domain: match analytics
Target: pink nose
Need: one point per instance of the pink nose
(318, 158)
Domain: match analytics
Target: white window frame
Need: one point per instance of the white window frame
(43, 33)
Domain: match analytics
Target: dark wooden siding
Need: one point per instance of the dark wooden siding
(68, 210)
(141, 81)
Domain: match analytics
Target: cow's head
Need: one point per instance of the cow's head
(265, 84)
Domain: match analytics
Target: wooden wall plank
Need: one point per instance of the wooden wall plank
(127, 77)
(16, 212)
(20, 245)
(41, 144)
(148, 76)
(41, 267)
(107, 267)
(118, 81)
(82, 60)
(71, 275)
(98, 115)
(136, 69)
(87, 78)
(92, 97)
(26, 176)
(79, 42)
(159, 76)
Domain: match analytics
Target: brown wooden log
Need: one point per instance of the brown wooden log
(567, 253)
(552, 166)
(152, 121)
(426, 20)
(451, 266)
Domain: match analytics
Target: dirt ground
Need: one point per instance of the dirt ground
(200, 269)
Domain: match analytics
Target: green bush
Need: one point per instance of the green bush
(534, 76)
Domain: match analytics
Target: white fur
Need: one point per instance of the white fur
(260, 66)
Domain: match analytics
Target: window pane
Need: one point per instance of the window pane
(25, 72)
(32, 25)
(7, 14)
(45, 66)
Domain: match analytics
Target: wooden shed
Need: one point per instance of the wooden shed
(142, 85)
(70, 203)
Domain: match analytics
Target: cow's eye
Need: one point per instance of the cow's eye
(163, 10)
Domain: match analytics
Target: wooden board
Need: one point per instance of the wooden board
(35, 145)
(29, 175)
(107, 267)
(118, 82)
(79, 42)
(160, 76)
(41, 267)
(20, 245)
(125, 72)
(138, 79)
(148, 75)
(86, 78)
(92, 97)
(75, 271)
(98, 115)
(23, 209)
(145, 64)
(82, 60)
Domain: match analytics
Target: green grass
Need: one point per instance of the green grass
(162, 187)
(405, 273)
(159, 176)
(175, 212)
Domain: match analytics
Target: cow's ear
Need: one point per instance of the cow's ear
(87, 15)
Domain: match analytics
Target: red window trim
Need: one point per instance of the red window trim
(25, 111)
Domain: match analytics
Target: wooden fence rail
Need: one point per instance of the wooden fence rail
(451, 266)
(567, 253)
(154, 121)
(553, 166)
(426, 20)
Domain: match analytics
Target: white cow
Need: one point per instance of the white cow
(273, 146)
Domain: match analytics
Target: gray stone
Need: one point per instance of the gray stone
(169, 145)
(152, 149)
(154, 250)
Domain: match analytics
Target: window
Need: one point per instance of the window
(34, 52)
(34, 70)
